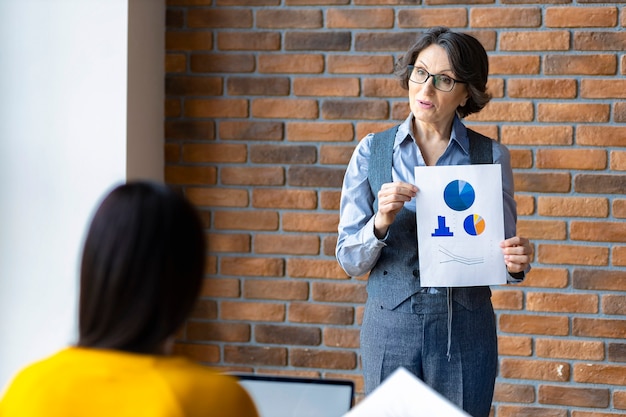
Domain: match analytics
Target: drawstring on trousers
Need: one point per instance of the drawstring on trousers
(449, 299)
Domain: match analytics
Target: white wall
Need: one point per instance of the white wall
(63, 143)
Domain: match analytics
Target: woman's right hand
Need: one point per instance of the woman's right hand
(391, 199)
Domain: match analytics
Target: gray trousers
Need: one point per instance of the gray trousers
(415, 335)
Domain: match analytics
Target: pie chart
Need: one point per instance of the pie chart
(459, 195)
(474, 224)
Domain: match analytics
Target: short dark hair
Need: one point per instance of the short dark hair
(467, 57)
(142, 268)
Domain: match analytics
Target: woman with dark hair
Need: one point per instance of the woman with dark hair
(445, 336)
(141, 273)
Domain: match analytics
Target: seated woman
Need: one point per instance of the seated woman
(141, 273)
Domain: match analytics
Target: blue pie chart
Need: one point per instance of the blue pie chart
(459, 195)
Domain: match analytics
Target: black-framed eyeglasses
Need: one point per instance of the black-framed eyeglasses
(440, 82)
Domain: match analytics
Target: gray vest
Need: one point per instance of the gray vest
(395, 277)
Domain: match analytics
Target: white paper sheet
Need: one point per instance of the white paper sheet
(402, 394)
(460, 224)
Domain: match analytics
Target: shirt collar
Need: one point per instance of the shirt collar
(458, 134)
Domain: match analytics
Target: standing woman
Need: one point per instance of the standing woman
(446, 337)
(141, 274)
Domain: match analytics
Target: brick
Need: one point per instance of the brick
(618, 160)
(572, 112)
(244, 2)
(573, 206)
(188, 41)
(217, 197)
(504, 111)
(231, 242)
(174, 18)
(495, 87)
(320, 313)
(189, 129)
(619, 399)
(528, 411)
(535, 41)
(535, 370)
(192, 175)
(275, 290)
(329, 200)
(205, 309)
(514, 346)
(310, 222)
(214, 152)
(537, 135)
(313, 268)
(289, 18)
(580, 64)
(574, 397)
(328, 245)
(601, 136)
(562, 303)
(252, 176)
(619, 208)
(541, 229)
(341, 337)
(173, 107)
(571, 17)
(342, 87)
(619, 109)
(581, 159)
(599, 41)
(215, 108)
(253, 267)
(614, 304)
(370, 18)
(507, 299)
(603, 89)
(546, 278)
(281, 198)
(354, 109)
(243, 220)
(325, 359)
(376, 87)
(256, 355)
(220, 287)
(600, 374)
(175, 63)
(521, 158)
(287, 244)
(513, 393)
(553, 88)
(505, 17)
(359, 64)
(383, 42)
(284, 108)
(542, 182)
(428, 17)
(600, 184)
(598, 231)
(514, 64)
(287, 335)
(193, 85)
(219, 18)
(331, 292)
(604, 328)
(570, 349)
(319, 132)
(597, 279)
(291, 63)
(251, 311)
(572, 254)
(399, 111)
(248, 41)
(283, 154)
(308, 176)
(534, 324)
(317, 41)
(197, 352)
(525, 204)
(617, 352)
(222, 332)
(216, 62)
(364, 128)
(258, 86)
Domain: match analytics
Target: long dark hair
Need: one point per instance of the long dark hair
(467, 57)
(142, 268)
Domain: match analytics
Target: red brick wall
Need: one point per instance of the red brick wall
(266, 100)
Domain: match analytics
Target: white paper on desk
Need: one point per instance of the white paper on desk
(460, 224)
(402, 394)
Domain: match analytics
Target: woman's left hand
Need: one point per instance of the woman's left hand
(517, 253)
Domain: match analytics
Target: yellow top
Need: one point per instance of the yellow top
(81, 382)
